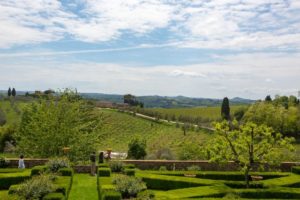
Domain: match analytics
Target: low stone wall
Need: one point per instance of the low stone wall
(156, 164)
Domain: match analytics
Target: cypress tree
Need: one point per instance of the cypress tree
(13, 92)
(268, 98)
(225, 109)
(9, 92)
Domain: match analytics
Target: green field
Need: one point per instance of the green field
(210, 113)
(119, 128)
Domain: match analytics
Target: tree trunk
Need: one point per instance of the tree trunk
(247, 177)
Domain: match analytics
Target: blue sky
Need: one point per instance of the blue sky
(207, 48)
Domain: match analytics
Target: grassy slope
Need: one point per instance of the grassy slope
(120, 128)
(212, 113)
(84, 187)
(12, 110)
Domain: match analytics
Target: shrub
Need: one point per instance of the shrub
(194, 168)
(110, 195)
(162, 168)
(103, 165)
(66, 171)
(164, 154)
(296, 169)
(129, 186)
(129, 172)
(137, 149)
(13, 189)
(129, 166)
(116, 166)
(56, 163)
(54, 196)
(104, 172)
(36, 188)
(3, 162)
(37, 170)
(145, 195)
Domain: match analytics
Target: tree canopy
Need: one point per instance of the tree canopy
(247, 145)
(47, 126)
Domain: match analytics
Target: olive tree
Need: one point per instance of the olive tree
(247, 145)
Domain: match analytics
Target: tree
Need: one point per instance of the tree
(247, 145)
(13, 92)
(49, 125)
(137, 149)
(268, 98)
(225, 109)
(9, 92)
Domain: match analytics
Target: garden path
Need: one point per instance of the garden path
(84, 187)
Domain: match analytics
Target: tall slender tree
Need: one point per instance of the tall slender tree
(9, 92)
(225, 109)
(13, 92)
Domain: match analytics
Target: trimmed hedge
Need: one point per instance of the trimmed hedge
(103, 165)
(63, 185)
(54, 196)
(296, 169)
(104, 172)
(13, 189)
(129, 172)
(37, 170)
(238, 184)
(129, 166)
(66, 171)
(110, 195)
(280, 193)
(7, 181)
(10, 170)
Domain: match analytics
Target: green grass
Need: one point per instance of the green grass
(211, 113)
(84, 188)
(120, 128)
(12, 110)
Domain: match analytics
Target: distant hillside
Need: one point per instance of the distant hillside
(159, 101)
(168, 102)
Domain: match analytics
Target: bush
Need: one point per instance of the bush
(66, 171)
(36, 188)
(164, 154)
(110, 195)
(129, 166)
(16, 178)
(162, 168)
(296, 169)
(145, 195)
(13, 189)
(104, 172)
(194, 168)
(103, 165)
(38, 170)
(129, 172)
(137, 149)
(54, 196)
(3, 162)
(129, 186)
(56, 163)
(116, 166)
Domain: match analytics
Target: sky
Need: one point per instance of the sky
(195, 48)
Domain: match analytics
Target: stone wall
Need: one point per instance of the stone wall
(156, 164)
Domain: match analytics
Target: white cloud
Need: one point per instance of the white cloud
(187, 73)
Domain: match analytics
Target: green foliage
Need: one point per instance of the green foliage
(296, 169)
(129, 166)
(7, 134)
(191, 151)
(8, 179)
(225, 109)
(104, 172)
(238, 184)
(163, 168)
(137, 149)
(38, 170)
(129, 172)
(116, 166)
(35, 188)
(66, 171)
(55, 164)
(64, 121)
(194, 168)
(247, 145)
(2, 118)
(54, 196)
(103, 165)
(110, 195)
(146, 195)
(129, 186)
(3, 162)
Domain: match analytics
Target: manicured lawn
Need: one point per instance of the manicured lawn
(84, 187)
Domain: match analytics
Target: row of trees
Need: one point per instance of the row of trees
(11, 92)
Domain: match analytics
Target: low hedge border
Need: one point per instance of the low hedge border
(106, 190)
(103, 165)
(7, 181)
(66, 172)
(296, 169)
(104, 172)
(129, 172)
(129, 166)
(10, 170)
(37, 170)
(54, 196)
(63, 185)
